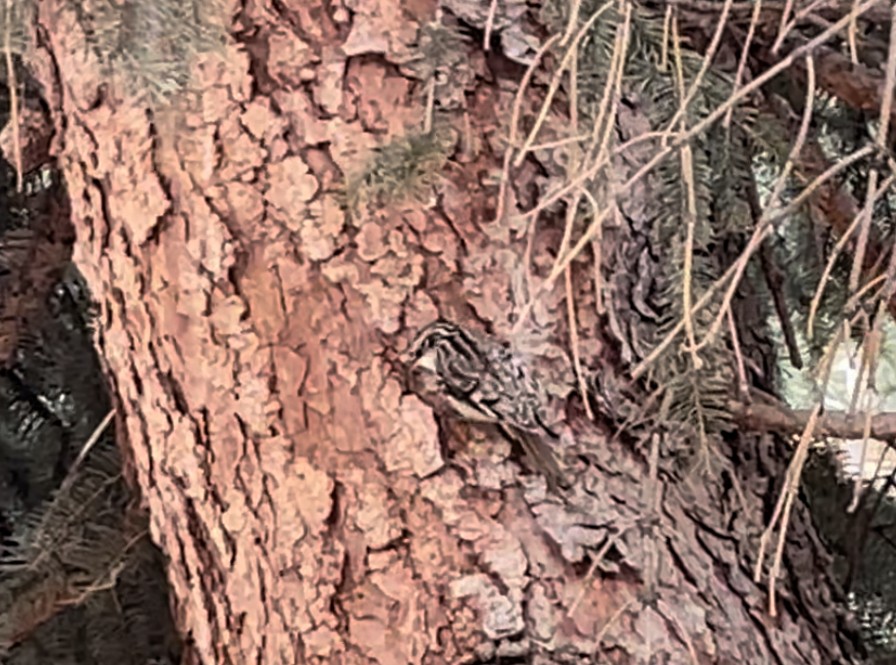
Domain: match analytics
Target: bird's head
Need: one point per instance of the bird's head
(425, 347)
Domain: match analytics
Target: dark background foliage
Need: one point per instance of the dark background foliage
(80, 580)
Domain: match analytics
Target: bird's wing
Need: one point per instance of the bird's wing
(459, 374)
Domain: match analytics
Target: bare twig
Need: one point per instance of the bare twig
(574, 8)
(790, 492)
(743, 385)
(851, 35)
(774, 280)
(489, 25)
(806, 12)
(430, 105)
(664, 52)
(91, 441)
(881, 140)
(690, 211)
(782, 28)
(571, 52)
(832, 259)
(598, 142)
(599, 636)
(744, 54)
(592, 569)
(704, 65)
(571, 212)
(782, 510)
(515, 113)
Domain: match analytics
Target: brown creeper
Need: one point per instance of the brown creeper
(460, 373)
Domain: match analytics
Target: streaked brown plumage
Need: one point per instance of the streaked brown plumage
(464, 374)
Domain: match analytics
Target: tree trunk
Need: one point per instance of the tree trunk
(310, 509)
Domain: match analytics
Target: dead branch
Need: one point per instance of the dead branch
(765, 413)
(857, 86)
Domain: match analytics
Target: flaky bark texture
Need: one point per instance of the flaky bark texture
(307, 505)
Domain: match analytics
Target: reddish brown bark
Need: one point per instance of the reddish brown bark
(304, 500)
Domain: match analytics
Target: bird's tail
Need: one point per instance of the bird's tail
(539, 456)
